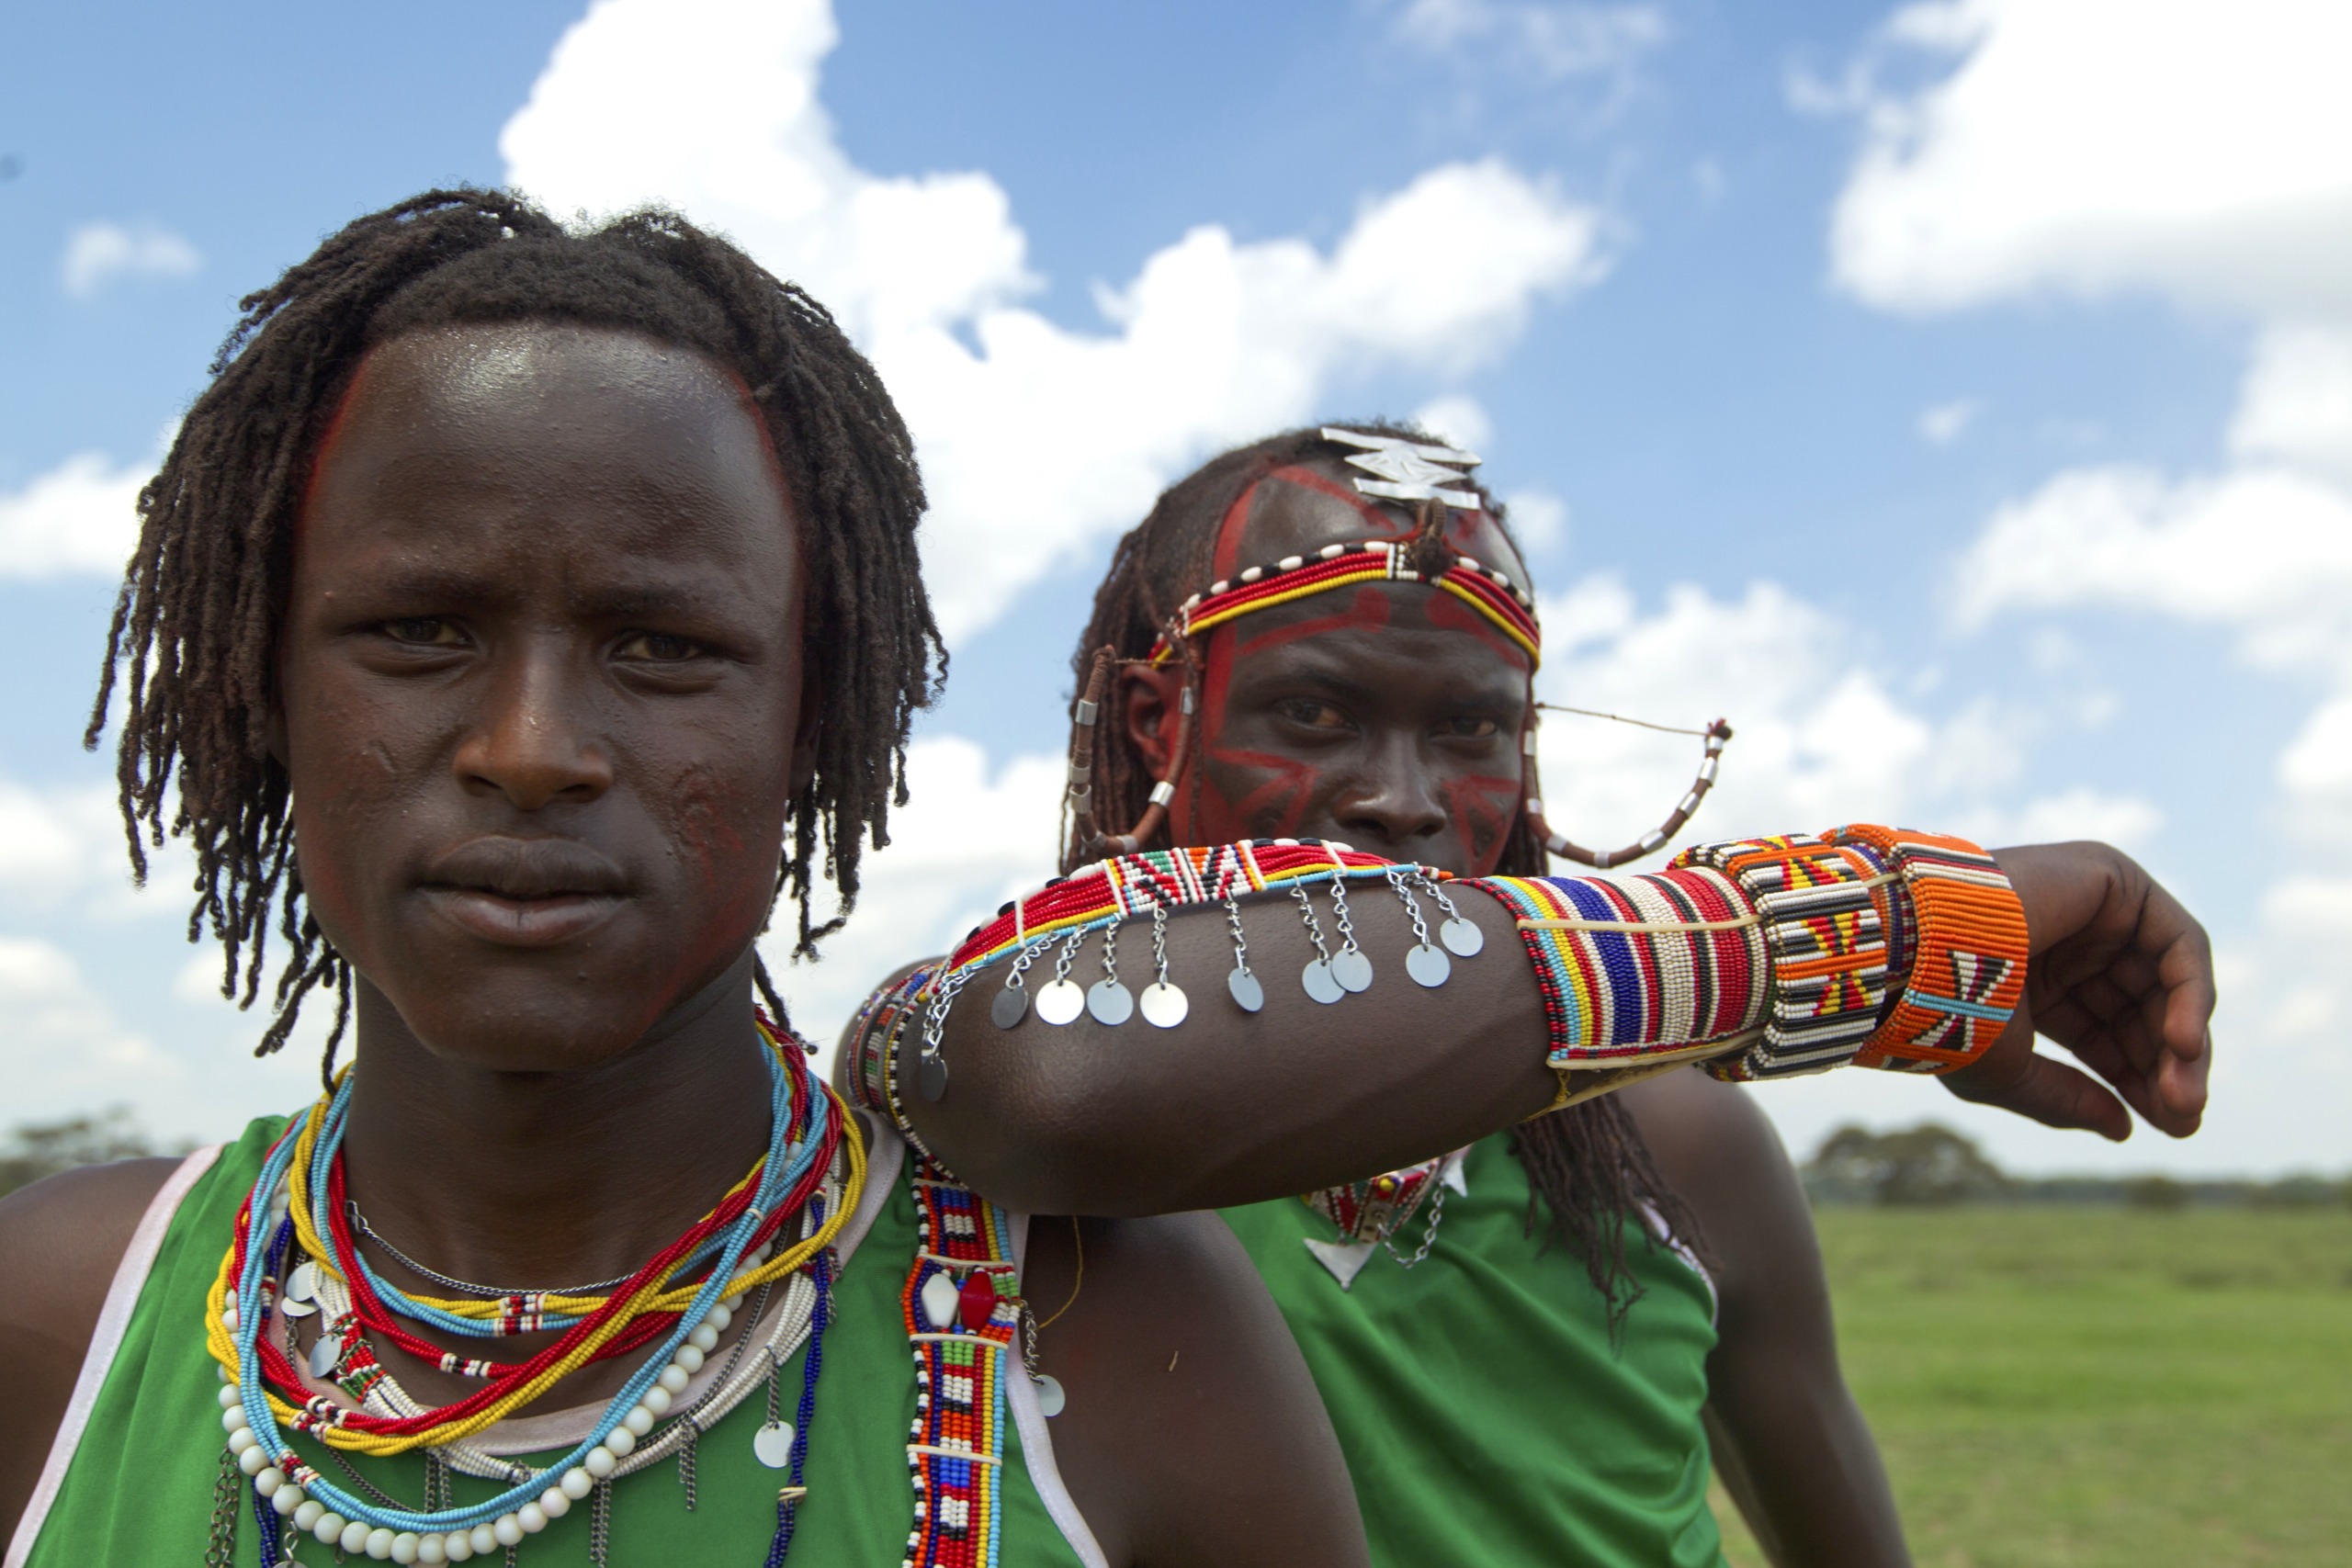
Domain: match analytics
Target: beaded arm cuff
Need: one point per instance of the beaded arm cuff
(1972, 948)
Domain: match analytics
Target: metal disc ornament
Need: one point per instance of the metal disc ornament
(1050, 1397)
(1429, 965)
(931, 1078)
(1316, 978)
(297, 1309)
(302, 1282)
(324, 1354)
(1110, 1002)
(1462, 937)
(1352, 969)
(772, 1445)
(1164, 1005)
(1060, 1002)
(1247, 995)
(1011, 1005)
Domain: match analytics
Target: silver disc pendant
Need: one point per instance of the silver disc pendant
(772, 1445)
(1429, 965)
(1050, 1397)
(324, 1354)
(1462, 937)
(1060, 1002)
(302, 1282)
(1352, 968)
(1110, 1002)
(1316, 978)
(1247, 995)
(297, 1309)
(1165, 1005)
(931, 1078)
(1011, 1005)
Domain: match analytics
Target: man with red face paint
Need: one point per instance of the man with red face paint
(1532, 1370)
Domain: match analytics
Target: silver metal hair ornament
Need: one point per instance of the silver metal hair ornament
(1407, 470)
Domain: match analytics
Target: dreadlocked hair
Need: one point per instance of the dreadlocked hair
(195, 623)
(1589, 1174)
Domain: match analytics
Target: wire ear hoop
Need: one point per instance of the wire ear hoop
(1084, 741)
(1716, 736)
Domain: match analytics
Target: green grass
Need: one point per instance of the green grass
(2083, 1386)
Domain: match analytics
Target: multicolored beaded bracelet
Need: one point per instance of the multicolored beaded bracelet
(1827, 945)
(1972, 950)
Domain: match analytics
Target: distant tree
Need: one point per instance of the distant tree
(42, 1149)
(1927, 1164)
(2161, 1192)
(2294, 1192)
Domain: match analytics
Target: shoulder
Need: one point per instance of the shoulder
(60, 1242)
(1171, 1346)
(1719, 1152)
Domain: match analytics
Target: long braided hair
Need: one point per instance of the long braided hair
(194, 629)
(1587, 1164)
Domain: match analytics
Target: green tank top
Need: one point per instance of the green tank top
(1486, 1417)
(138, 1476)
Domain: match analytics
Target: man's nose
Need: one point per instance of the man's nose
(532, 743)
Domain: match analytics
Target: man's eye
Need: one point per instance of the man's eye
(1470, 729)
(657, 648)
(1314, 715)
(425, 631)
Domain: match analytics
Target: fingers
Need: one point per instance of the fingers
(2047, 1091)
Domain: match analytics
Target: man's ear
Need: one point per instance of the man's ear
(1146, 704)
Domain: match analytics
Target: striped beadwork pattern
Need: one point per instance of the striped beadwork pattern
(956, 1448)
(1825, 942)
(873, 1037)
(1489, 591)
(1633, 965)
(1970, 950)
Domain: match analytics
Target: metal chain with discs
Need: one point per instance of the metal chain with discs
(1327, 977)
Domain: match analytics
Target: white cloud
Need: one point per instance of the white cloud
(65, 1050)
(80, 516)
(1538, 517)
(99, 253)
(1554, 41)
(54, 842)
(1457, 420)
(2197, 148)
(712, 106)
(1947, 422)
(2296, 405)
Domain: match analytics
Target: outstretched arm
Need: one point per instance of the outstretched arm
(1232, 1106)
(1792, 1445)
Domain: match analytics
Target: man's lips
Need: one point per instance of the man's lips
(525, 891)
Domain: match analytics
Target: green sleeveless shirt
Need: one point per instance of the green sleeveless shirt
(139, 1461)
(1486, 1417)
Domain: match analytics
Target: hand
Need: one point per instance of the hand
(2122, 976)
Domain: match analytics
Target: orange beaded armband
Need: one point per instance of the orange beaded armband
(1969, 953)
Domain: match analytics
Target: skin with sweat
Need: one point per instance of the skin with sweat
(540, 703)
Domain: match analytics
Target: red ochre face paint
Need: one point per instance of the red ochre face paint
(1386, 716)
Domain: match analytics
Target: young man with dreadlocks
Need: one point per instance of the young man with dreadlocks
(513, 604)
(1327, 636)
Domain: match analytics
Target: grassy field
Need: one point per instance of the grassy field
(2085, 1386)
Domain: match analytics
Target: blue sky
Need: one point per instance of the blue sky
(1892, 382)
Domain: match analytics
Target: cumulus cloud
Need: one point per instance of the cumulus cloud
(78, 517)
(1947, 422)
(2194, 149)
(99, 253)
(713, 106)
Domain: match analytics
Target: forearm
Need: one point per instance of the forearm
(1574, 980)
(1809, 1478)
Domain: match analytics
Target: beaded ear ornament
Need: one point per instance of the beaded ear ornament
(1427, 476)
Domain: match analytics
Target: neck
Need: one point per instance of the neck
(544, 1179)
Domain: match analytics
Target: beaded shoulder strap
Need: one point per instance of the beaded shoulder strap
(961, 1305)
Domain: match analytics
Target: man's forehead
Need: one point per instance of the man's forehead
(1297, 510)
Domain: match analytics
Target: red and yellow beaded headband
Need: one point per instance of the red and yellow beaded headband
(1399, 471)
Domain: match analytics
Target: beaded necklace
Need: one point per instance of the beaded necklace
(677, 1302)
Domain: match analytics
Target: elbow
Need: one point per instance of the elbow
(1054, 1133)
